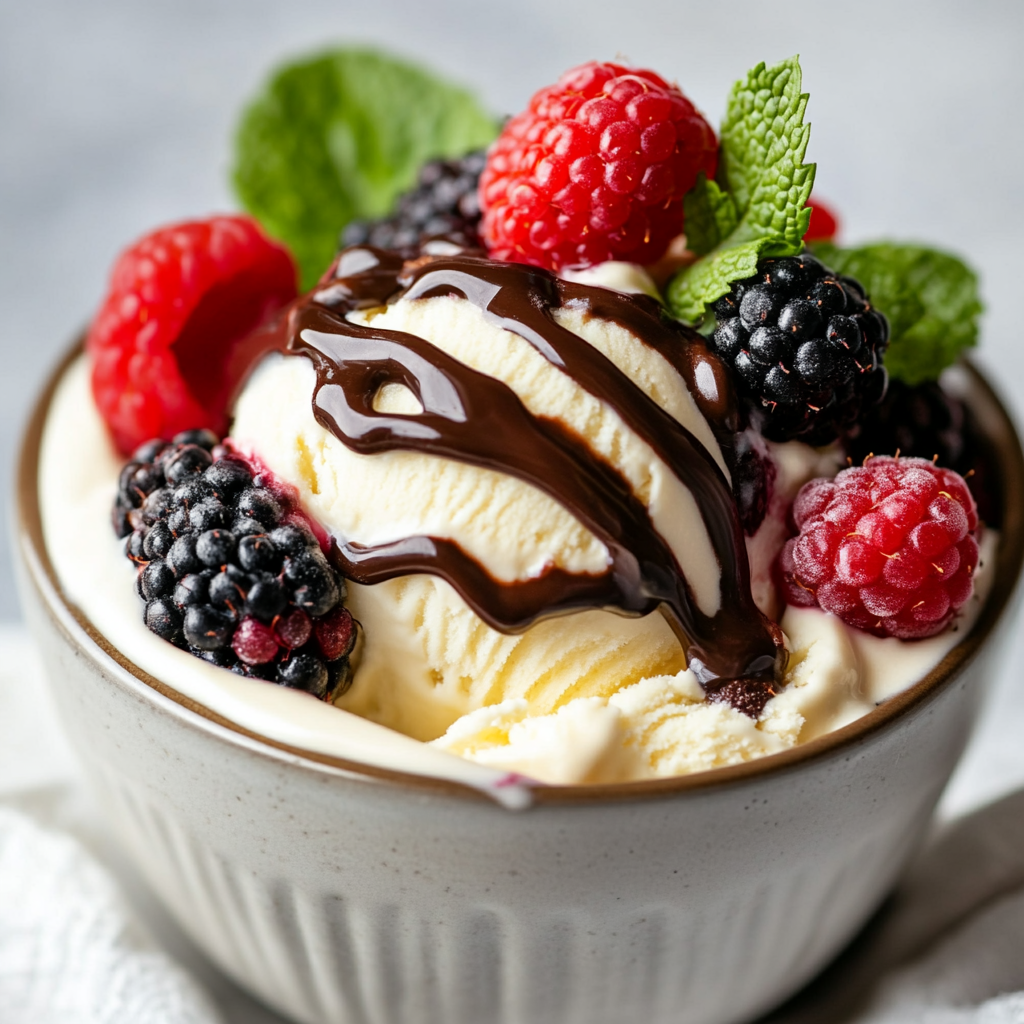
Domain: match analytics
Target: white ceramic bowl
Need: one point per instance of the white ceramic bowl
(342, 893)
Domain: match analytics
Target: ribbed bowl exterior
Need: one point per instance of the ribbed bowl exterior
(343, 900)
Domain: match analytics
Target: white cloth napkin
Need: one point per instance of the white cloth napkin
(949, 946)
(81, 940)
(76, 926)
(70, 949)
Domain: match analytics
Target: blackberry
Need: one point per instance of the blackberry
(208, 628)
(925, 421)
(444, 202)
(229, 570)
(155, 579)
(805, 346)
(304, 672)
(753, 478)
(164, 619)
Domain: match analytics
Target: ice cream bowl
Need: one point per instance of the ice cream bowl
(344, 891)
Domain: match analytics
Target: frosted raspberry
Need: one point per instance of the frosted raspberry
(595, 169)
(179, 300)
(888, 547)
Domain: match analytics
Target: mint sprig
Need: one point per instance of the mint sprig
(930, 299)
(340, 136)
(709, 215)
(756, 206)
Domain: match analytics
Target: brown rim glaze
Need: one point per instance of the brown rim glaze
(994, 421)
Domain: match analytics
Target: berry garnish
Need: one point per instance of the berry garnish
(926, 421)
(595, 169)
(228, 567)
(889, 547)
(931, 299)
(921, 421)
(443, 203)
(806, 347)
(179, 300)
(753, 478)
(824, 224)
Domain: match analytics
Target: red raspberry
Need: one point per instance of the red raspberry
(595, 169)
(824, 224)
(178, 302)
(888, 547)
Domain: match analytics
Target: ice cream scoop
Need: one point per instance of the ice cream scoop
(542, 447)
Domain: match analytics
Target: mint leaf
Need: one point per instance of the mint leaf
(763, 144)
(710, 278)
(339, 136)
(760, 192)
(709, 214)
(930, 299)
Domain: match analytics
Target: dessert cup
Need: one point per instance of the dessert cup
(340, 892)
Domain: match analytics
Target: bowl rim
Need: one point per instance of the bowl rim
(1000, 432)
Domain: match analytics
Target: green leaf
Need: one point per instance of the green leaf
(760, 193)
(340, 136)
(763, 144)
(930, 299)
(709, 214)
(710, 278)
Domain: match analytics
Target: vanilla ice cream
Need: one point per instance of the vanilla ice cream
(451, 662)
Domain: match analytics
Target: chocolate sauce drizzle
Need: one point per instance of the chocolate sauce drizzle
(471, 417)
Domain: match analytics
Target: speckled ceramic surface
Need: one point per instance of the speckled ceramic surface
(343, 895)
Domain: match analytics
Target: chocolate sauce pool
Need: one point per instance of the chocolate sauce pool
(473, 418)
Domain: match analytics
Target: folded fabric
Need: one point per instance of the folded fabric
(69, 951)
(948, 948)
